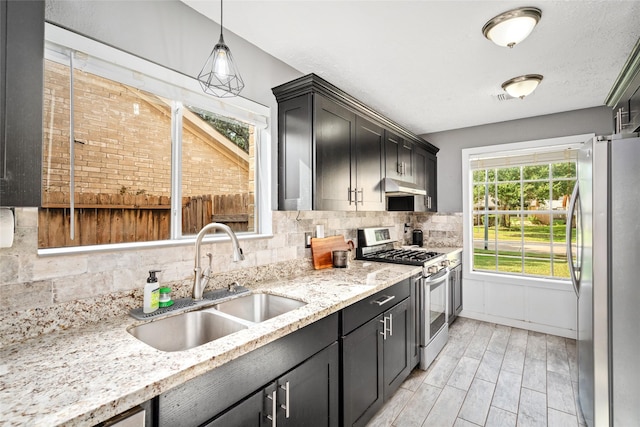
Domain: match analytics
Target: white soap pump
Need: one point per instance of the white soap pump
(151, 293)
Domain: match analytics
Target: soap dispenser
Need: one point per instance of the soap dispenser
(151, 293)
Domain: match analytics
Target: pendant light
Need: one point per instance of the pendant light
(522, 86)
(510, 28)
(220, 76)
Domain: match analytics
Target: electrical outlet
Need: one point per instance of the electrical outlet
(307, 239)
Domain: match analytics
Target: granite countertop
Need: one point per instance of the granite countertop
(88, 374)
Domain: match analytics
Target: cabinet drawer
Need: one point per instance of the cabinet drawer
(365, 310)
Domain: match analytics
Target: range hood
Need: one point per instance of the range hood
(395, 188)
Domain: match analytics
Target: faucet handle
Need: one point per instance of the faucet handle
(233, 287)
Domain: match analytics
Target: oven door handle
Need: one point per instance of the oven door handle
(438, 277)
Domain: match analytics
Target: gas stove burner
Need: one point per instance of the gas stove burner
(402, 256)
(375, 244)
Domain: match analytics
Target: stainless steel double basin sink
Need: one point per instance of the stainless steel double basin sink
(191, 329)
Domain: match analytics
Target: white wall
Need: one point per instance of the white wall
(596, 120)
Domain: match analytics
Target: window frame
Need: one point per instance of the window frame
(181, 89)
(468, 154)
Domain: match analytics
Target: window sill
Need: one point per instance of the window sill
(541, 282)
(187, 241)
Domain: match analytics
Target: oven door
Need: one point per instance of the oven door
(434, 305)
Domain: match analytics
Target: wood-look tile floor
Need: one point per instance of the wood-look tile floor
(490, 375)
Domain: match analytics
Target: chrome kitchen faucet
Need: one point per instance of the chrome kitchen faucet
(200, 280)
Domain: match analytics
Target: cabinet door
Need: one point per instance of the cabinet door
(369, 166)
(335, 135)
(309, 394)
(414, 345)
(398, 158)
(431, 169)
(295, 160)
(420, 155)
(397, 351)
(455, 293)
(21, 92)
(251, 412)
(457, 298)
(362, 379)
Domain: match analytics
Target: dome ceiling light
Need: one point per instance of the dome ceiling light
(522, 86)
(510, 28)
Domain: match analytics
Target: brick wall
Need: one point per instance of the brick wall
(124, 142)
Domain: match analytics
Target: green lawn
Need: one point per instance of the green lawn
(511, 262)
(532, 233)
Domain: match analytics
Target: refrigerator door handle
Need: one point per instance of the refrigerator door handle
(569, 232)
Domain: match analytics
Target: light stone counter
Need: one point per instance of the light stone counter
(88, 374)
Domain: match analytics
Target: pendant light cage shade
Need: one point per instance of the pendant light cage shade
(512, 27)
(220, 76)
(522, 86)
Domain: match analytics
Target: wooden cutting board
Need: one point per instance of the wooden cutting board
(321, 249)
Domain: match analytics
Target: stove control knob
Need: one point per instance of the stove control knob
(445, 263)
(433, 269)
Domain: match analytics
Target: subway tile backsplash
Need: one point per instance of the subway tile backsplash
(44, 294)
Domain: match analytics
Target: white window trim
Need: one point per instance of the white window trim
(168, 83)
(467, 155)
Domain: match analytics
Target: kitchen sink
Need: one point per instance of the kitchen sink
(258, 307)
(186, 330)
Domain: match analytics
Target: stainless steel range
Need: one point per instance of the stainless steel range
(376, 244)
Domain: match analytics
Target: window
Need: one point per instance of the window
(138, 154)
(516, 208)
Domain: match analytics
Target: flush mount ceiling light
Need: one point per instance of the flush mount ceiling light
(510, 28)
(220, 76)
(521, 86)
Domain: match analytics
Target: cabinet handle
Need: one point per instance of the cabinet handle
(383, 300)
(286, 399)
(428, 202)
(390, 324)
(361, 191)
(384, 328)
(274, 408)
(399, 168)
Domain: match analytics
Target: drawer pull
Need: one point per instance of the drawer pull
(383, 300)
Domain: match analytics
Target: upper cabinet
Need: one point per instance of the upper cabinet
(21, 85)
(334, 152)
(426, 177)
(624, 96)
(399, 158)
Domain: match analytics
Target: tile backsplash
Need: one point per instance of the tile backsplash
(51, 289)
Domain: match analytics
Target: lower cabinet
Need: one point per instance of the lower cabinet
(236, 393)
(337, 371)
(307, 395)
(376, 358)
(455, 292)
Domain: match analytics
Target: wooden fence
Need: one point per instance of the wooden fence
(124, 218)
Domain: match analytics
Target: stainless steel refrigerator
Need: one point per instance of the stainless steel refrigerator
(605, 270)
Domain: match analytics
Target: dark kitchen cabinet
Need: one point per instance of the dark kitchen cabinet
(376, 355)
(414, 344)
(426, 177)
(307, 395)
(240, 392)
(332, 149)
(21, 96)
(349, 155)
(455, 292)
(398, 158)
(624, 96)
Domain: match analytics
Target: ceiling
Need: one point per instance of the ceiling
(426, 65)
